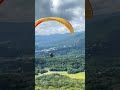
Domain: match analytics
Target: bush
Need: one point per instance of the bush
(58, 82)
(73, 71)
(43, 71)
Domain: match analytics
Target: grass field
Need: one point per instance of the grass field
(80, 75)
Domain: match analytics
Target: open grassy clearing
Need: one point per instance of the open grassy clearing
(80, 75)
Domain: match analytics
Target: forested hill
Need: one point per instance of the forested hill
(68, 53)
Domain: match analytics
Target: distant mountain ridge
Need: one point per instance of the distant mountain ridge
(60, 40)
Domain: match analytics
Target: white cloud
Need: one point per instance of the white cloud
(53, 27)
(71, 10)
(55, 5)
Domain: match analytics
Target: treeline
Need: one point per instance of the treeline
(58, 82)
(72, 63)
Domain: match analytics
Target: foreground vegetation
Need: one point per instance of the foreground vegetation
(72, 63)
(58, 82)
(65, 72)
(80, 75)
(61, 72)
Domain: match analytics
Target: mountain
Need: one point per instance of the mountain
(60, 40)
(60, 44)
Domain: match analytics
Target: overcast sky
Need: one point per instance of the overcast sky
(23, 10)
(71, 10)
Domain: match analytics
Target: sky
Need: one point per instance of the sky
(71, 10)
(24, 10)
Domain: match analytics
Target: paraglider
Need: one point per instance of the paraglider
(88, 11)
(1, 1)
(61, 20)
(51, 54)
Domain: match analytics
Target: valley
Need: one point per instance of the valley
(65, 67)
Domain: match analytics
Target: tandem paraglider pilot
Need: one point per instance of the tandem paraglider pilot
(51, 55)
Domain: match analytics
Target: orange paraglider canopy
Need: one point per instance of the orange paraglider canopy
(88, 10)
(61, 20)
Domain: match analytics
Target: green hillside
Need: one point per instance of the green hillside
(65, 70)
(58, 82)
